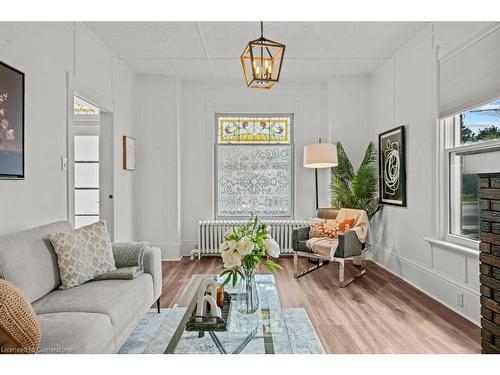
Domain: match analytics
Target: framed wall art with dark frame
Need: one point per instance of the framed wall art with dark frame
(392, 166)
(11, 122)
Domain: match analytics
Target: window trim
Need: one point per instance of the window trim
(292, 164)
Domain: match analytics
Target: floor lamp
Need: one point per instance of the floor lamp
(320, 155)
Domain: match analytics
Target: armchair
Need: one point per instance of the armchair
(348, 246)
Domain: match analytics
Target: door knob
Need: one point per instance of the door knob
(110, 196)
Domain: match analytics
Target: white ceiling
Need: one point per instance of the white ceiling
(210, 51)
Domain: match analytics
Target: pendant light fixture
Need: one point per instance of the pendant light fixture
(261, 61)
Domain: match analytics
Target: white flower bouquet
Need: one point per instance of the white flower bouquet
(245, 248)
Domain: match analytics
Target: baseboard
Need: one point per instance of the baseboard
(429, 281)
(187, 246)
(169, 251)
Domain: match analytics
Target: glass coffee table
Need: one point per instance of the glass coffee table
(262, 332)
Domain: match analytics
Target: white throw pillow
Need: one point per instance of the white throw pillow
(83, 254)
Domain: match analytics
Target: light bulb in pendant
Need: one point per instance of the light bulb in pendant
(257, 71)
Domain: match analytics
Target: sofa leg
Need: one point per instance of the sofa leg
(158, 304)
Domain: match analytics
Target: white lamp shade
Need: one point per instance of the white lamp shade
(320, 155)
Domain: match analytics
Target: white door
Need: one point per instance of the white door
(92, 165)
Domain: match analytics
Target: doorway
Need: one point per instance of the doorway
(90, 165)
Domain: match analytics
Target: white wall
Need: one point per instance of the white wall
(404, 92)
(45, 52)
(349, 117)
(124, 119)
(41, 196)
(156, 191)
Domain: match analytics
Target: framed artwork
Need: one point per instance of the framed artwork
(128, 153)
(392, 167)
(11, 123)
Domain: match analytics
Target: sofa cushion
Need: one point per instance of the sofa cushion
(121, 300)
(28, 260)
(83, 254)
(76, 332)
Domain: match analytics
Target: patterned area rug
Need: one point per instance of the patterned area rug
(153, 333)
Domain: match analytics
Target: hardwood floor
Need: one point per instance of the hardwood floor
(378, 313)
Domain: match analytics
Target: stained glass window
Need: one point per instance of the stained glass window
(254, 166)
(254, 129)
(81, 107)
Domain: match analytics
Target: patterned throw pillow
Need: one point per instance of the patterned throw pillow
(83, 254)
(329, 227)
(322, 228)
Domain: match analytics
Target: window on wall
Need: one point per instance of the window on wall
(472, 146)
(254, 165)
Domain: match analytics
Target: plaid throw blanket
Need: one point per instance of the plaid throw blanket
(128, 260)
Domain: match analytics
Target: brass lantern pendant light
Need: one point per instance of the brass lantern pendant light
(261, 61)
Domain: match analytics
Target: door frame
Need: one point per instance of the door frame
(75, 88)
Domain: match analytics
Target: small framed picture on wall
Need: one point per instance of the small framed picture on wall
(392, 167)
(11, 123)
(128, 153)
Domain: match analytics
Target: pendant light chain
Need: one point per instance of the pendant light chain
(262, 49)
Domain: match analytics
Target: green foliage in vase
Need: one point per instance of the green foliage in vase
(245, 247)
(355, 189)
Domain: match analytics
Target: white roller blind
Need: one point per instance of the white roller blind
(481, 163)
(471, 77)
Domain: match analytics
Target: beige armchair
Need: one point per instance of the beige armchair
(349, 246)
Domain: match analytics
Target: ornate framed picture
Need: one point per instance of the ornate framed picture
(11, 123)
(128, 153)
(392, 167)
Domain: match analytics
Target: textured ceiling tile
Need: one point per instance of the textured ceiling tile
(314, 50)
(320, 70)
(151, 39)
(188, 70)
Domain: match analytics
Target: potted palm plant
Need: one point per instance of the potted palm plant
(355, 188)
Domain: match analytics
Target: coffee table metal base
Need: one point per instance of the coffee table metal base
(240, 347)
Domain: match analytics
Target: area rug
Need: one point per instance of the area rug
(153, 333)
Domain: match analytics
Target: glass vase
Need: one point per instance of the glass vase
(247, 299)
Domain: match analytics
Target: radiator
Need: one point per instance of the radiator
(211, 234)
